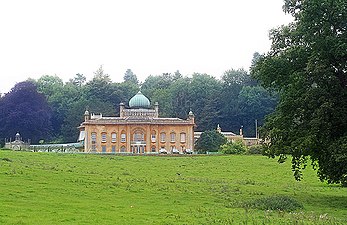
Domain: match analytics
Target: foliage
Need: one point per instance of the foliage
(78, 80)
(50, 188)
(255, 149)
(275, 202)
(210, 140)
(254, 103)
(25, 110)
(237, 147)
(307, 65)
(246, 101)
(129, 76)
(234, 101)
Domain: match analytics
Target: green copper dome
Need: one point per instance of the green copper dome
(139, 101)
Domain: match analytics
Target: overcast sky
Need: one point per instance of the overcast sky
(65, 37)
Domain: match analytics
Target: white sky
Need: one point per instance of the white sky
(65, 37)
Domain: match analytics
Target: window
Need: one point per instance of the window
(122, 149)
(103, 137)
(123, 138)
(114, 137)
(103, 148)
(93, 138)
(153, 136)
(162, 137)
(139, 136)
(183, 137)
(153, 149)
(173, 137)
(113, 149)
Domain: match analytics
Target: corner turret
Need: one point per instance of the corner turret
(191, 116)
(86, 115)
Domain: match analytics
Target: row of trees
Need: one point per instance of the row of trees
(306, 67)
(233, 101)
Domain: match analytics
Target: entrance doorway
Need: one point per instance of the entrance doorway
(138, 149)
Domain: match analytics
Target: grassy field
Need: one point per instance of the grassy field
(50, 188)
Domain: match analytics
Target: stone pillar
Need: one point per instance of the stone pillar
(148, 139)
(128, 138)
(156, 108)
(121, 110)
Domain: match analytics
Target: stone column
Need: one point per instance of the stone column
(121, 110)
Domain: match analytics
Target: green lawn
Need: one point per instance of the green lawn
(50, 188)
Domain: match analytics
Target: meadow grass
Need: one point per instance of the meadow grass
(51, 188)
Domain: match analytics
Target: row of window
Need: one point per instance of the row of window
(140, 149)
(172, 137)
(113, 148)
(138, 136)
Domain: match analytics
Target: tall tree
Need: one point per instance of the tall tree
(53, 88)
(254, 103)
(100, 86)
(307, 65)
(78, 80)
(180, 100)
(232, 83)
(25, 110)
(129, 76)
(204, 95)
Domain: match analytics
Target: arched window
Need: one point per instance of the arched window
(153, 136)
(139, 136)
(103, 137)
(183, 137)
(114, 137)
(123, 137)
(173, 137)
(122, 149)
(162, 137)
(93, 135)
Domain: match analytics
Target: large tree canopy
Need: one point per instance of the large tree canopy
(25, 110)
(210, 140)
(307, 65)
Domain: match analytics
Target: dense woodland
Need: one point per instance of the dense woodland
(49, 109)
(305, 70)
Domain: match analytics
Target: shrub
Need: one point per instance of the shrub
(255, 149)
(276, 202)
(236, 147)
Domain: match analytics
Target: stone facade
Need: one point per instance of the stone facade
(138, 130)
(17, 144)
